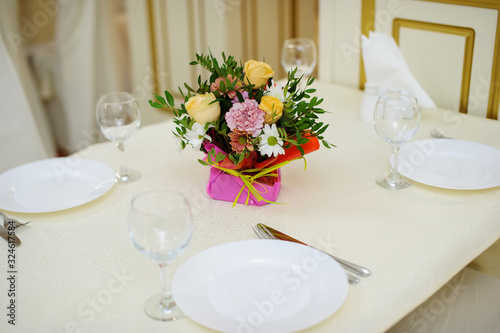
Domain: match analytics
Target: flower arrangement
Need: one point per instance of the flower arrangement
(247, 125)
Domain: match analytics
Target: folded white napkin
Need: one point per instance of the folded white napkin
(385, 65)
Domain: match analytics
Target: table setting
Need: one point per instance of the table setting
(268, 206)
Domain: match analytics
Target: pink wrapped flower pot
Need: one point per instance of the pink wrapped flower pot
(226, 187)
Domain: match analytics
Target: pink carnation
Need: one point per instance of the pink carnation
(246, 117)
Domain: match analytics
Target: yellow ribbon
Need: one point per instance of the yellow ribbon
(249, 179)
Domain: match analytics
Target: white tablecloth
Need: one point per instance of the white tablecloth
(78, 271)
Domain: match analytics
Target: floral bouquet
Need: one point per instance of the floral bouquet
(247, 125)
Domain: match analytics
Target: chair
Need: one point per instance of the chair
(451, 46)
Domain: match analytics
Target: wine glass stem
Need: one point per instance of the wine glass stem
(393, 173)
(123, 165)
(166, 300)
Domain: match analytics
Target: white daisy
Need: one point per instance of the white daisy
(276, 90)
(270, 141)
(196, 135)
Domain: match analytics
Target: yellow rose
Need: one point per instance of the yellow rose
(200, 109)
(273, 108)
(257, 73)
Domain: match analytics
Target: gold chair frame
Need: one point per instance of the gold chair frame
(368, 24)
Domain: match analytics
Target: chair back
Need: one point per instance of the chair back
(451, 46)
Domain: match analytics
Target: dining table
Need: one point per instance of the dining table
(78, 271)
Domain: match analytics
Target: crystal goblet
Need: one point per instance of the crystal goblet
(299, 53)
(160, 226)
(396, 119)
(119, 117)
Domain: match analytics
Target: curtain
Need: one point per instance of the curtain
(92, 59)
(25, 134)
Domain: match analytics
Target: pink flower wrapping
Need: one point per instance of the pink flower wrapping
(225, 187)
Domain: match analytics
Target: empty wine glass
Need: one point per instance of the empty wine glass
(160, 226)
(396, 119)
(118, 117)
(299, 53)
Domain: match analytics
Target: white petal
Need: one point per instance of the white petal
(266, 150)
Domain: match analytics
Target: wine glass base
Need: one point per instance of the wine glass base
(398, 184)
(130, 177)
(159, 308)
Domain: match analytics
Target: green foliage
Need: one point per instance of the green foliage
(300, 117)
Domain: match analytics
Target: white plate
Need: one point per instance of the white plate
(54, 184)
(259, 286)
(452, 164)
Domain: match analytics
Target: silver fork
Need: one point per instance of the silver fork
(436, 134)
(9, 221)
(264, 234)
(6, 228)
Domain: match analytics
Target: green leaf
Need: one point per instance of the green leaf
(170, 99)
(232, 159)
(182, 94)
(303, 127)
(319, 111)
(240, 97)
(220, 157)
(189, 88)
(301, 150)
(203, 162)
(241, 158)
(209, 158)
(316, 127)
(322, 129)
(155, 104)
(160, 99)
